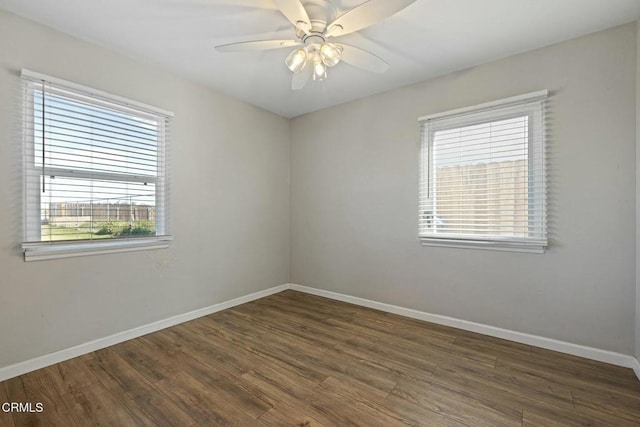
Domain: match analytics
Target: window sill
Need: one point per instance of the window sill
(42, 251)
(534, 247)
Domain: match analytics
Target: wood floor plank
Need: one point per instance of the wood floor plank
(160, 409)
(271, 329)
(20, 390)
(301, 312)
(6, 418)
(278, 383)
(95, 405)
(384, 328)
(139, 354)
(418, 414)
(202, 403)
(361, 411)
(202, 346)
(116, 374)
(303, 414)
(612, 403)
(573, 377)
(360, 395)
(503, 387)
(319, 332)
(459, 404)
(293, 359)
(234, 392)
(134, 391)
(61, 378)
(46, 386)
(332, 308)
(386, 365)
(276, 360)
(556, 417)
(428, 346)
(590, 370)
(304, 356)
(302, 363)
(343, 384)
(495, 347)
(322, 358)
(274, 418)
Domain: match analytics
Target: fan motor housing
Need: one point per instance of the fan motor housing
(320, 13)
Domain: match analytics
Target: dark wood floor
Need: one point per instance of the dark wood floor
(296, 359)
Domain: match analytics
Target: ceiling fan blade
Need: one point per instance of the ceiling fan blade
(299, 80)
(364, 15)
(295, 12)
(256, 45)
(362, 59)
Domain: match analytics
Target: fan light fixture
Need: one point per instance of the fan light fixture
(315, 23)
(320, 57)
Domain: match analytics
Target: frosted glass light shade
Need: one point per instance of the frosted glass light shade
(319, 71)
(296, 60)
(330, 54)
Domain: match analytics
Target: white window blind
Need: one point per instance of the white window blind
(95, 170)
(483, 176)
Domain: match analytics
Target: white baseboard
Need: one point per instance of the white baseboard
(69, 353)
(548, 343)
(636, 368)
(610, 357)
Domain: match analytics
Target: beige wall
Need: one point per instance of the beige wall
(234, 243)
(354, 181)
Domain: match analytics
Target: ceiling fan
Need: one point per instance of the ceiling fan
(316, 25)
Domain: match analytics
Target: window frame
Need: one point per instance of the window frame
(531, 105)
(33, 247)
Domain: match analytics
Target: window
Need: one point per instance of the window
(482, 178)
(95, 171)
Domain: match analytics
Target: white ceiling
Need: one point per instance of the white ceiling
(428, 39)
